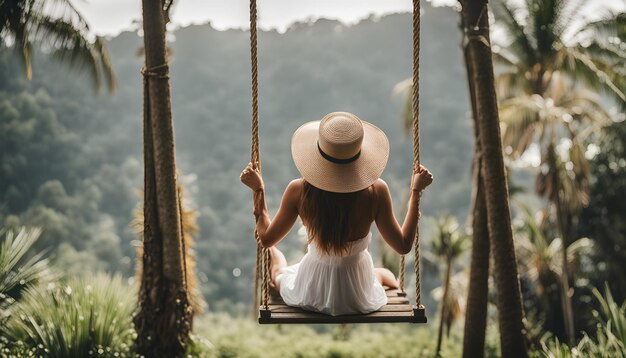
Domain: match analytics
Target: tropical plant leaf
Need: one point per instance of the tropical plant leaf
(56, 26)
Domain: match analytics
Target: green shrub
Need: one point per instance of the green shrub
(18, 270)
(610, 334)
(244, 338)
(84, 316)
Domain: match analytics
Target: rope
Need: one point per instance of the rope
(416, 137)
(415, 103)
(262, 264)
(257, 277)
(402, 269)
(255, 83)
(158, 72)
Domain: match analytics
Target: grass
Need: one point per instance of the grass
(80, 317)
(224, 336)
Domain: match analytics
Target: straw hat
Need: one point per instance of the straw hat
(341, 153)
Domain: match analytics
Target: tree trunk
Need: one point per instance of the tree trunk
(164, 317)
(478, 291)
(446, 288)
(566, 301)
(510, 313)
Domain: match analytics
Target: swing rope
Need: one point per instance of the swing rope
(416, 151)
(262, 264)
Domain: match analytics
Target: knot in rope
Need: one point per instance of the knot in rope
(158, 72)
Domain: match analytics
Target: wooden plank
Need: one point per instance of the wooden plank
(397, 300)
(386, 308)
(390, 301)
(317, 318)
(397, 309)
(392, 292)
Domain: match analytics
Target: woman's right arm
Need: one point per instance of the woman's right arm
(400, 238)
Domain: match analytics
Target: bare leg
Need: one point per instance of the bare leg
(278, 262)
(386, 277)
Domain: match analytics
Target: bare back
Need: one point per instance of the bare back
(375, 205)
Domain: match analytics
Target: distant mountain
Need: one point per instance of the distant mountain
(71, 161)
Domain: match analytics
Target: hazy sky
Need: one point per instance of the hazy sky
(112, 16)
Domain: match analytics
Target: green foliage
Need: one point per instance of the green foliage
(450, 242)
(603, 220)
(611, 322)
(59, 28)
(245, 338)
(610, 338)
(83, 316)
(19, 268)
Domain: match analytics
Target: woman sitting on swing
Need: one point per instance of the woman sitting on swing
(338, 197)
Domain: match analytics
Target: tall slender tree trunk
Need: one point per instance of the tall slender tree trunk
(442, 318)
(164, 317)
(478, 291)
(509, 302)
(566, 300)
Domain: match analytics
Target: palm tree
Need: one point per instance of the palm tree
(543, 38)
(164, 318)
(550, 49)
(562, 110)
(478, 286)
(58, 27)
(449, 244)
(456, 300)
(510, 312)
(540, 261)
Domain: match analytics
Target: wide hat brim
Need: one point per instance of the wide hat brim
(334, 177)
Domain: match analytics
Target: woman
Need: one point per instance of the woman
(338, 197)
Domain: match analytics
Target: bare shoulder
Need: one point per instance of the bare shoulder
(295, 185)
(294, 190)
(381, 188)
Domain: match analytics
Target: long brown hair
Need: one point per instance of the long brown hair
(326, 216)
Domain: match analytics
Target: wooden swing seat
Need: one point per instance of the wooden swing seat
(397, 309)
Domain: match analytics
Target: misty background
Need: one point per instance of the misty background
(71, 161)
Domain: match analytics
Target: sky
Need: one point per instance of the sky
(110, 17)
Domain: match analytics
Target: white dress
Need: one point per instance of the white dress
(334, 285)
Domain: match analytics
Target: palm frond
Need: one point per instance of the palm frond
(569, 18)
(449, 242)
(64, 9)
(511, 83)
(102, 53)
(69, 44)
(606, 52)
(18, 270)
(614, 24)
(578, 65)
(543, 17)
(504, 59)
(521, 43)
(57, 26)
(521, 118)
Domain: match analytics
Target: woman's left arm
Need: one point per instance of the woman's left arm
(272, 231)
